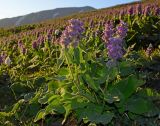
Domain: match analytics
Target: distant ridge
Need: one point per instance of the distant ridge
(42, 16)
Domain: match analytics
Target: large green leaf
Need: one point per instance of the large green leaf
(122, 90)
(139, 105)
(94, 113)
(126, 87)
(91, 82)
(19, 88)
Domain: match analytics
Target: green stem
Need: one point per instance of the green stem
(71, 72)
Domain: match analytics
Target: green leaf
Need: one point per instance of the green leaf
(94, 113)
(63, 71)
(33, 66)
(39, 81)
(16, 106)
(110, 98)
(68, 109)
(32, 109)
(122, 90)
(126, 87)
(104, 118)
(55, 106)
(126, 68)
(19, 88)
(28, 96)
(40, 115)
(139, 106)
(130, 86)
(53, 86)
(78, 55)
(112, 72)
(44, 99)
(60, 61)
(91, 82)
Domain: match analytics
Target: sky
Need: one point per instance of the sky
(12, 8)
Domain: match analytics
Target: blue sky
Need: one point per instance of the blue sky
(12, 8)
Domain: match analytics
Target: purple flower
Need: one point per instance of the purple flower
(72, 33)
(130, 10)
(108, 32)
(20, 44)
(122, 29)
(34, 45)
(23, 50)
(115, 48)
(1, 59)
(157, 10)
(50, 31)
(38, 34)
(91, 24)
(114, 42)
(49, 37)
(139, 9)
(40, 41)
(147, 10)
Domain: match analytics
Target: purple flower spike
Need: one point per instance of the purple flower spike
(34, 45)
(108, 32)
(72, 33)
(114, 40)
(23, 50)
(115, 48)
(122, 29)
(157, 11)
(147, 11)
(139, 9)
(20, 44)
(130, 10)
(1, 59)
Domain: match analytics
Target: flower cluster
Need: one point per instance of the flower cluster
(22, 47)
(72, 33)
(114, 39)
(108, 32)
(147, 11)
(122, 29)
(131, 10)
(139, 9)
(1, 59)
(39, 42)
(157, 10)
(114, 47)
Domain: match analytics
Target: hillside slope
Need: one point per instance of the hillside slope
(42, 16)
